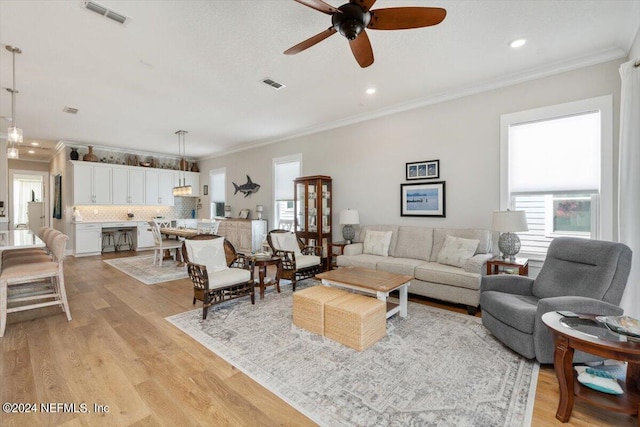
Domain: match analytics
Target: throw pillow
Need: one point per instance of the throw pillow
(209, 253)
(287, 242)
(600, 380)
(377, 242)
(456, 251)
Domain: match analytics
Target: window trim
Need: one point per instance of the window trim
(604, 104)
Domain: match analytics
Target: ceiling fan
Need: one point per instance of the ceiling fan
(352, 18)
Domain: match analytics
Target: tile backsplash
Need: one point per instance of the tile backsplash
(183, 208)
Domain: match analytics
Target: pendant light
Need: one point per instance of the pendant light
(182, 189)
(14, 133)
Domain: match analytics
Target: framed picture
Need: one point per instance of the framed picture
(428, 169)
(423, 199)
(205, 190)
(244, 214)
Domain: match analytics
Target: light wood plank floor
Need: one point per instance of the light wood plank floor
(119, 352)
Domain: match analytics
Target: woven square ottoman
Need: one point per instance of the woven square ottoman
(308, 307)
(355, 320)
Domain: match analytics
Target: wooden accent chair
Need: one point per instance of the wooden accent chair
(298, 261)
(34, 284)
(217, 271)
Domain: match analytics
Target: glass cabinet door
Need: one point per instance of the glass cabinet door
(301, 204)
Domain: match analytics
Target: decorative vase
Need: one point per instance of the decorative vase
(194, 167)
(90, 157)
(184, 165)
(74, 154)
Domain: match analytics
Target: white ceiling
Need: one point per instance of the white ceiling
(198, 65)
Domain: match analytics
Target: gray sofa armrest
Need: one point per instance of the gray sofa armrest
(508, 283)
(477, 263)
(578, 305)
(353, 249)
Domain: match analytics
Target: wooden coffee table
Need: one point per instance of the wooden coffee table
(585, 334)
(375, 282)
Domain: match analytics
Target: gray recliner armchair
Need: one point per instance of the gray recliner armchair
(579, 275)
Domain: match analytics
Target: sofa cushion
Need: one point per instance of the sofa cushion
(440, 235)
(517, 311)
(399, 265)
(392, 228)
(447, 275)
(377, 242)
(364, 261)
(456, 251)
(414, 242)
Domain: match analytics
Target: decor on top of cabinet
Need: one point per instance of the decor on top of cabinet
(90, 157)
(249, 188)
(74, 154)
(194, 167)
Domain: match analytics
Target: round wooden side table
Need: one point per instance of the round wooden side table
(586, 334)
(262, 263)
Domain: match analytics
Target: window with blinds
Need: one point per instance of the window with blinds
(285, 170)
(555, 165)
(217, 182)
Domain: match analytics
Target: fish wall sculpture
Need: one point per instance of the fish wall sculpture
(249, 188)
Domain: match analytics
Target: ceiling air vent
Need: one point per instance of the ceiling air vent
(107, 13)
(70, 110)
(273, 83)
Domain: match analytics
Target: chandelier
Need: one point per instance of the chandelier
(182, 189)
(14, 133)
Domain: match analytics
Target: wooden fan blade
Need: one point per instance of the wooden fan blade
(365, 4)
(319, 5)
(361, 48)
(403, 18)
(310, 41)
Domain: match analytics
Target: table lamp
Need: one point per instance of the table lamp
(259, 209)
(348, 219)
(508, 222)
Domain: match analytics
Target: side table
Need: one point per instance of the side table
(333, 256)
(498, 265)
(262, 263)
(586, 334)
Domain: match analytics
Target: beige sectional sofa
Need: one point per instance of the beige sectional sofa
(447, 264)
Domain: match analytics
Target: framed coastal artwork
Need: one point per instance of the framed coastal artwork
(428, 169)
(423, 199)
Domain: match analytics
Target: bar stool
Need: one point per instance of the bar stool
(108, 240)
(124, 238)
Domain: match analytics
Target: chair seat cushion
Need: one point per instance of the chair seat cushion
(517, 311)
(171, 243)
(304, 261)
(230, 276)
(36, 270)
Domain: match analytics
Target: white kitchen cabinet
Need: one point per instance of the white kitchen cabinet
(145, 236)
(128, 186)
(88, 239)
(159, 187)
(189, 178)
(91, 183)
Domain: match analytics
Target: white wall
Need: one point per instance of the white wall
(634, 53)
(367, 160)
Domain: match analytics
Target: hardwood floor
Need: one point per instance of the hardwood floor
(120, 354)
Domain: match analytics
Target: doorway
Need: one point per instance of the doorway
(28, 199)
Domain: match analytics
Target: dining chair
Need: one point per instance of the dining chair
(162, 244)
(35, 284)
(28, 255)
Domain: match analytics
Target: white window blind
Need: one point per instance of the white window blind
(559, 155)
(285, 173)
(217, 180)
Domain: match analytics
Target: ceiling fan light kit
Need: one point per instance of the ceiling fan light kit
(351, 20)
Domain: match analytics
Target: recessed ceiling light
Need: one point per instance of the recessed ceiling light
(31, 152)
(517, 43)
(371, 91)
(35, 143)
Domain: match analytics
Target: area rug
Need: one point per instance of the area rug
(435, 367)
(142, 269)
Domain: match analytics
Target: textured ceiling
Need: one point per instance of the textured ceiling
(198, 65)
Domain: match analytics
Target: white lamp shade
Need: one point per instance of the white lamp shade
(350, 217)
(510, 221)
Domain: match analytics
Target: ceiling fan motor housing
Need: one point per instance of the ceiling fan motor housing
(351, 20)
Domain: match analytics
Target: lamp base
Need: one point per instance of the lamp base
(348, 233)
(509, 245)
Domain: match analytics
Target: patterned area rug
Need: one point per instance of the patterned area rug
(435, 367)
(142, 269)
